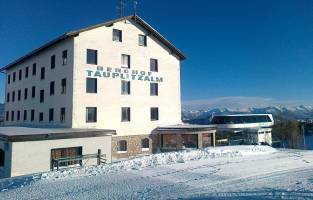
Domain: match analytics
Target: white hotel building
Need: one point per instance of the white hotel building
(121, 77)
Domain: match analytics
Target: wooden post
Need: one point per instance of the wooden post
(99, 157)
(58, 165)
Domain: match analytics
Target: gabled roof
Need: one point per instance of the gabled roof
(70, 34)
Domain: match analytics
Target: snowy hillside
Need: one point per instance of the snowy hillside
(236, 172)
(298, 112)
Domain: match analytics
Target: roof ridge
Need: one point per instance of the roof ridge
(69, 34)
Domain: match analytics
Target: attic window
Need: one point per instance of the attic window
(117, 35)
(142, 40)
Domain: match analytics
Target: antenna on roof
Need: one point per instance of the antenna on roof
(120, 8)
(135, 3)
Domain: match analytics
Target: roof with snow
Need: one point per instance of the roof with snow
(17, 134)
(70, 34)
(187, 128)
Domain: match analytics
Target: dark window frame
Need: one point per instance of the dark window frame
(154, 89)
(42, 73)
(62, 114)
(117, 35)
(52, 88)
(128, 61)
(154, 65)
(33, 91)
(64, 57)
(42, 96)
(92, 56)
(125, 87)
(25, 93)
(94, 118)
(144, 44)
(91, 85)
(51, 115)
(34, 70)
(52, 62)
(125, 114)
(122, 146)
(63, 86)
(154, 113)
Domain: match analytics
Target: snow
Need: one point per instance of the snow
(160, 159)
(235, 172)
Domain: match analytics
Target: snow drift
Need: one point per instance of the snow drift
(160, 159)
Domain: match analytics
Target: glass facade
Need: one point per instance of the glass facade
(241, 119)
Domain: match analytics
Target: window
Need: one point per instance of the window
(34, 69)
(41, 116)
(7, 116)
(145, 144)
(92, 56)
(122, 146)
(2, 157)
(14, 76)
(153, 65)
(91, 114)
(12, 115)
(18, 115)
(63, 86)
(33, 92)
(91, 85)
(42, 96)
(19, 93)
(125, 87)
(117, 35)
(9, 78)
(32, 115)
(62, 115)
(154, 89)
(154, 114)
(8, 97)
(25, 93)
(52, 62)
(125, 114)
(26, 72)
(42, 73)
(66, 153)
(20, 74)
(125, 61)
(13, 96)
(25, 115)
(142, 40)
(51, 114)
(51, 88)
(64, 57)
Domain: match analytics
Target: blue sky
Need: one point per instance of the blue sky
(243, 50)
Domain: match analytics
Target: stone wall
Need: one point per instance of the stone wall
(133, 147)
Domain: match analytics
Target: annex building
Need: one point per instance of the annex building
(243, 129)
(121, 77)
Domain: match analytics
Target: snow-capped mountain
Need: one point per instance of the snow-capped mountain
(296, 113)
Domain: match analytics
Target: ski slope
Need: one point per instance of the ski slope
(233, 172)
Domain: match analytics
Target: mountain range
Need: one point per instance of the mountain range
(203, 116)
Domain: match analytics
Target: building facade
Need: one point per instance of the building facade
(243, 129)
(120, 75)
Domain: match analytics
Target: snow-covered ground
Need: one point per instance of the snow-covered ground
(233, 172)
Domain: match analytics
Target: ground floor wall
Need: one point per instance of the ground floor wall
(35, 156)
(136, 145)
